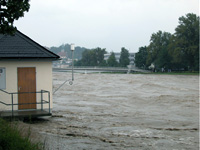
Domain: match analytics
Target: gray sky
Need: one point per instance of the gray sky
(109, 24)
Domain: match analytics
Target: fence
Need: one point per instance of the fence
(42, 101)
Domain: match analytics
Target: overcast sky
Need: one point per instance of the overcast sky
(109, 24)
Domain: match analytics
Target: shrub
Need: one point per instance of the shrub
(11, 139)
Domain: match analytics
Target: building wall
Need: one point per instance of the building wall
(43, 81)
(117, 56)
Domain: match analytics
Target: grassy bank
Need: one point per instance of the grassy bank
(170, 73)
(11, 138)
(155, 73)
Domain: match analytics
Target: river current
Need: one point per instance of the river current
(123, 111)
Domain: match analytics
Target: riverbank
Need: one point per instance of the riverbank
(169, 73)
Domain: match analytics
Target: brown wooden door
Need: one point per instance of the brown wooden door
(27, 83)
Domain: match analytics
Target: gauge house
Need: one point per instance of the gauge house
(25, 77)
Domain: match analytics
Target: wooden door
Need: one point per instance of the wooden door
(26, 83)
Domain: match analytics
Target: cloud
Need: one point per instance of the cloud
(110, 24)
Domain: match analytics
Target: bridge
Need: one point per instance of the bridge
(91, 69)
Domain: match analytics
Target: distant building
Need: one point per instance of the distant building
(62, 54)
(106, 56)
(132, 58)
(64, 61)
(117, 56)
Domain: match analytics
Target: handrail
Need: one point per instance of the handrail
(42, 91)
(4, 91)
(24, 103)
(42, 101)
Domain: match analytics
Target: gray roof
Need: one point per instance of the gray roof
(21, 46)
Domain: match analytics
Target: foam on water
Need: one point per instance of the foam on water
(124, 111)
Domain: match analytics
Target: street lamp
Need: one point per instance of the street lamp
(70, 82)
(72, 49)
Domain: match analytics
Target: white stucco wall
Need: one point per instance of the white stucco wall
(43, 81)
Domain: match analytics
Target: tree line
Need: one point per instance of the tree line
(178, 51)
(95, 57)
(66, 47)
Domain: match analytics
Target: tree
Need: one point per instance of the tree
(94, 57)
(141, 57)
(158, 48)
(77, 63)
(11, 10)
(112, 62)
(178, 51)
(124, 57)
(86, 61)
(100, 56)
(185, 45)
(163, 60)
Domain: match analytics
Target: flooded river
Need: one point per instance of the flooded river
(123, 111)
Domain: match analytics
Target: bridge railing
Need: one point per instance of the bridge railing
(96, 67)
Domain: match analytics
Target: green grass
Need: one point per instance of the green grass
(11, 138)
(154, 73)
(170, 73)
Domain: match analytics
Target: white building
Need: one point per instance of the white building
(25, 77)
(117, 56)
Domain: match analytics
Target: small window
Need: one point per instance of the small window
(2, 78)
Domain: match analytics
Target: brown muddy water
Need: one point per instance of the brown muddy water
(123, 111)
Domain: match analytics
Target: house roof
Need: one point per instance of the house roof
(62, 54)
(21, 46)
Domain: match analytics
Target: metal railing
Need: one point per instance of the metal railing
(97, 67)
(131, 68)
(42, 102)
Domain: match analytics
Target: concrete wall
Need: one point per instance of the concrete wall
(43, 81)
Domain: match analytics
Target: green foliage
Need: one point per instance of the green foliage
(163, 60)
(11, 139)
(77, 63)
(93, 57)
(11, 10)
(178, 51)
(112, 62)
(141, 57)
(158, 49)
(124, 57)
(185, 46)
(89, 58)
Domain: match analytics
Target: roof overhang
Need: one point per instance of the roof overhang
(28, 59)
(21, 47)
